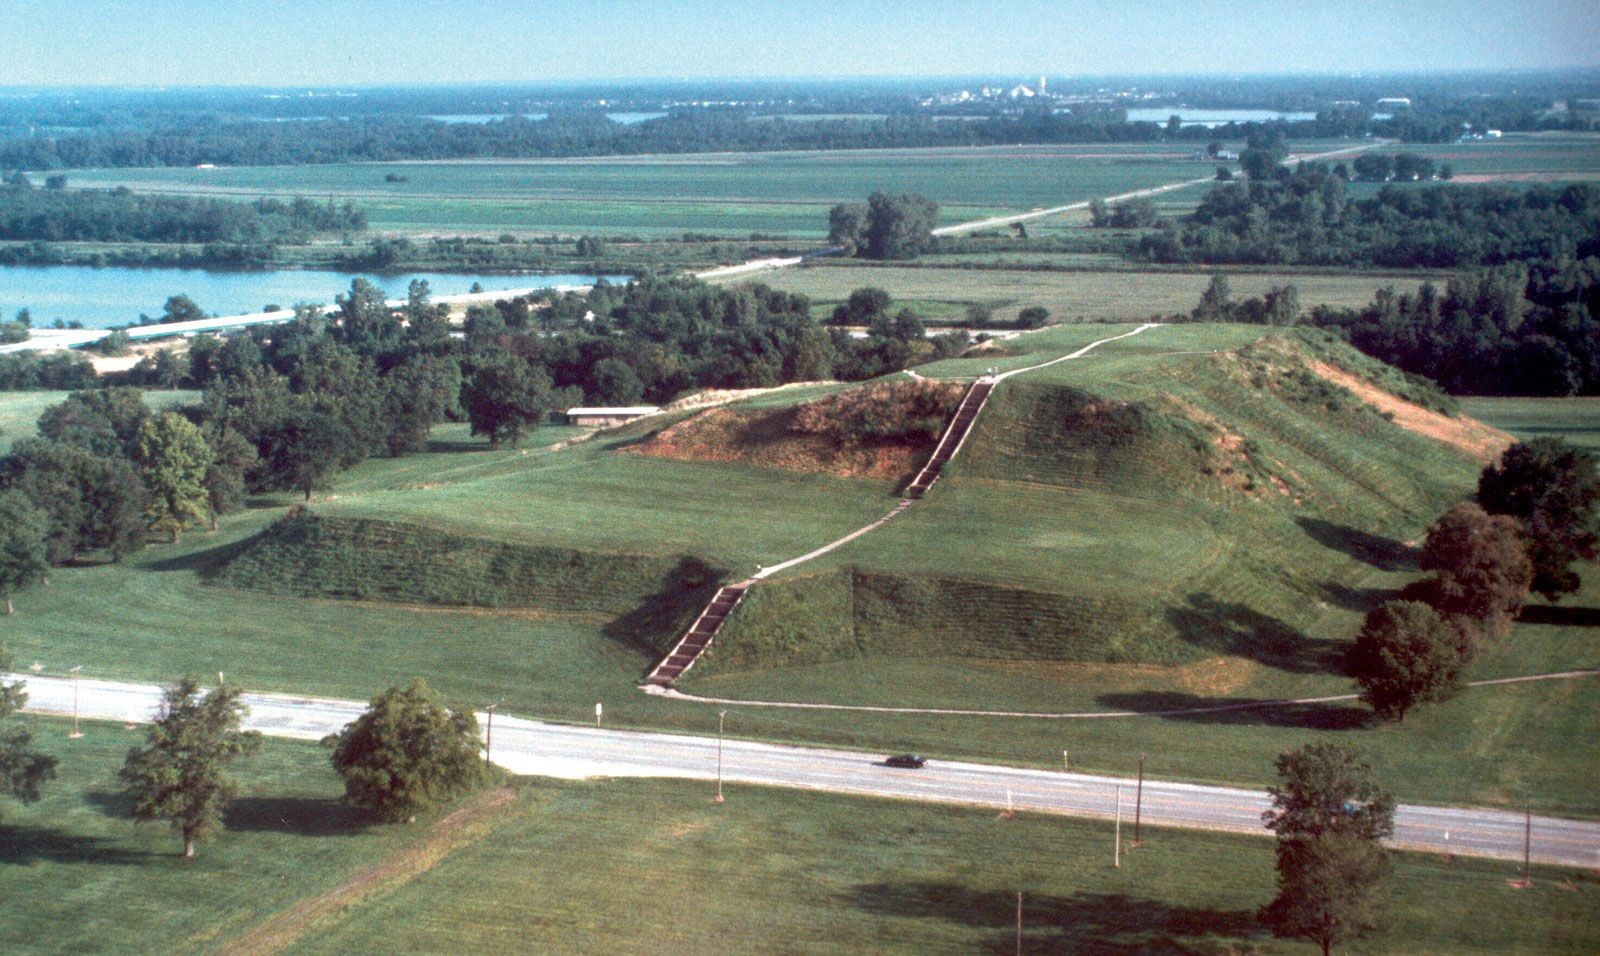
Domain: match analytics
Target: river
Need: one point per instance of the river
(103, 298)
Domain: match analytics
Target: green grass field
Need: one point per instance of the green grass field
(580, 866)
(627, 866)
(1070, 296)
(81, 876)
(725, 193)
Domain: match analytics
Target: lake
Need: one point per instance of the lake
(102, 298)
(1213, 118)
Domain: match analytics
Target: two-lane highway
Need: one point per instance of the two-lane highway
(537, 748)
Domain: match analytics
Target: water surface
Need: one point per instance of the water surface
(103, 298)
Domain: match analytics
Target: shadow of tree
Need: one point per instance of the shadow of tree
(301, 816)
(207, 562)
(1385, 554)
(26, 845)
(112, 803)
(1558, 616)
(656, 621)
(1102, 923)
(1298, 716)
(1356, 599)
(1225, 627)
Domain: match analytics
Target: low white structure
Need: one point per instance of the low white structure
(606, 417)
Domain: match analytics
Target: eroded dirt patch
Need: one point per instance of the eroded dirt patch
(1465, 434)
(802, 438)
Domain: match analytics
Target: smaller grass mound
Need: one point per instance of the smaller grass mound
(648, 597)
(879, 431)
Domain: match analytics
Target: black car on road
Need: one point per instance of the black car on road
(908, 761)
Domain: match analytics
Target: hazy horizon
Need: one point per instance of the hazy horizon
(227, 43)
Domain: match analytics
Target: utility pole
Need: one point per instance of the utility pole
(1019, 923)
(76, 673)
(1138, 801)
(1066, 765)
(1527, 843)
(1116, 846)
(488, 739)
(720, 715)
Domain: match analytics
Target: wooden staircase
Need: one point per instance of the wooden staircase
(950, 442)
(705, 628)
(699, 636)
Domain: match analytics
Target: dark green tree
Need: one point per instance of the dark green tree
(1329, 814)
(1330, 889)
(24, 558)
(407, 753)
(1328, 788)
(847, 227)
(862, 307)
(900, 226)
(1406, 655)
(23, 770)
(504, 398)
(181, 308)
(173, 459)
(1553, 488)
(181, 773)
(1481, 568)
(418, 394)
(1216, 302)
(105, 421)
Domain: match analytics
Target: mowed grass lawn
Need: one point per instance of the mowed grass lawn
(1070, 296)
(665, 195)
(632, 866)
(597, 866)
(80, 876)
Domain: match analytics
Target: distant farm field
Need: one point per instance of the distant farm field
(1575, 419)
(725, 193)
(1070, 296)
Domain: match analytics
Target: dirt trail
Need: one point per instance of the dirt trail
(459, 828)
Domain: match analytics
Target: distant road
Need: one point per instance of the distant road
(996, 221)
(536, 748)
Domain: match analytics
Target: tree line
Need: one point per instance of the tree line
(29, 214)
(1303, 216)
(1529, 328)
(580, 131)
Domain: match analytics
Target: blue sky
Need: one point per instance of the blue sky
(298, 42)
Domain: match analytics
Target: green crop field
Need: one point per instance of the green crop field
(1528, 157)
(1575, 419)
(1039, 575)
(652, 196)
(579, 865)
(944, 293)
